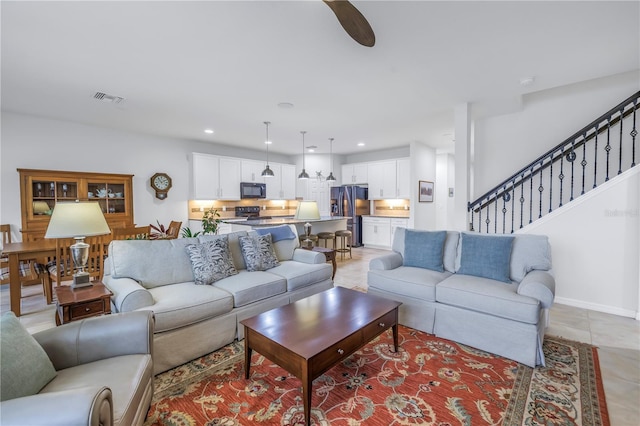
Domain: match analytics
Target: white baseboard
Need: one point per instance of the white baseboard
(598, 307)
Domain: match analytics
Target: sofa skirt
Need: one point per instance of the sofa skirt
(414, 313)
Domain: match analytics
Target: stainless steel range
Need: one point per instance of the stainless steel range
(250, 212)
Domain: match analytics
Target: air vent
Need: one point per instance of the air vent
(108, 98)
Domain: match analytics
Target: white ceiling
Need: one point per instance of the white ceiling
(186, 66)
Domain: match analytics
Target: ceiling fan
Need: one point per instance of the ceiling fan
(353, 22)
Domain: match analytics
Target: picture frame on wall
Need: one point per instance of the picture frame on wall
(425, 191)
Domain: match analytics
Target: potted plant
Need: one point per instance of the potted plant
(188, 233)
(210, 221)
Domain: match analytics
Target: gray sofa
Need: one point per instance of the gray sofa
(491, 292)
(193, 320)
(98, 371)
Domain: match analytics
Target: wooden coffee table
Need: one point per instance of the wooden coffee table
(310, 336)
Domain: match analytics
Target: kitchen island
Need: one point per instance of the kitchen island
(324, 224)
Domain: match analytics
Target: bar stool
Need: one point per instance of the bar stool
(342, 237)
(312, 237)
(325, 236)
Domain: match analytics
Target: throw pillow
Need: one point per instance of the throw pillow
(258, 252)
(284, 239)
(26, 367)
(485, 256)
(211, 261)
(423, 249)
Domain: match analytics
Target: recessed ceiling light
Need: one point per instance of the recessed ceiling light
(208, 131)
(360, 143)
(268, 142)
(285, 105)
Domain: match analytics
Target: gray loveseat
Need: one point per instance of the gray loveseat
(491, 292)
(193, 320)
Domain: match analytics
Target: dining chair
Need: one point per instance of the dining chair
(31, 272)
(61, 268)
(174, 230)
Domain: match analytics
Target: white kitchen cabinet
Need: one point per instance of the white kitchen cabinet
(376, 232)
(355, 173)
(382, 180)
(403, 178)
(215, 178)
(252, 171)
(397, 223)
(282, 186)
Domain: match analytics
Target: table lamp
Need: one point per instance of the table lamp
(77, 220)
(307, 210)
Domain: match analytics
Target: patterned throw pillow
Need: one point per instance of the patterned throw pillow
(258, 252)
(211, 261)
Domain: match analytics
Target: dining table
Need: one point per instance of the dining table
(24, 251)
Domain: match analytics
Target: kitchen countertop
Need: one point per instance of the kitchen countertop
(385, 216)
(289, 221)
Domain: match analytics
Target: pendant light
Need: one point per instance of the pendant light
(267, 172)
(331, 177)
(303, 174)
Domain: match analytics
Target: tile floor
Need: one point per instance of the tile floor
(617, 338)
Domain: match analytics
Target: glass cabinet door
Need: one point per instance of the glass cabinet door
(46, 192)
(111, 196)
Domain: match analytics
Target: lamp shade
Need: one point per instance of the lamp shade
(307, 210)
(77, 219)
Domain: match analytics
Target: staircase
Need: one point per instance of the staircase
(603, 149)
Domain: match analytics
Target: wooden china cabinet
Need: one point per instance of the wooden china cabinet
(40, 190)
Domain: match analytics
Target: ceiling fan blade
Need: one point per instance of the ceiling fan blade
(353, 22)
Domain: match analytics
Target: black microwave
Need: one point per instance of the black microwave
(253, 190)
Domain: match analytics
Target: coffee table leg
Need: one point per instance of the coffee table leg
(247, 354)
(306, 397)
(394, 329)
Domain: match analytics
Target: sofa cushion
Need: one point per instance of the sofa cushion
(423, 249)
(211, 261)
(529, 252)
(488, 296)
(248, 287)
(258, 253)
(185, 303)
(234, 246)
(284, 239)
(418, 283)
(152, 263)
(26, 367)
(299, 274)
(450, 251)
(485, 256)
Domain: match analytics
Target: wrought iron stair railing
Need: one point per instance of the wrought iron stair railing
(561, 174)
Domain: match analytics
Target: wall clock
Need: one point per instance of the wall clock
(161, 183)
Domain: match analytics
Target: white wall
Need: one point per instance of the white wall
(423, 167)
(36, 143)
(504, 144)
(445, 179)
(595, 247)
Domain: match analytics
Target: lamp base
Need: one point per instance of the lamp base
(81, 279)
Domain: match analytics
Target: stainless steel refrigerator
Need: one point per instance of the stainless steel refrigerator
(351, 201)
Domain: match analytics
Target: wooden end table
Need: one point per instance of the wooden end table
(85, 302)
(310, 336)
(329, 254)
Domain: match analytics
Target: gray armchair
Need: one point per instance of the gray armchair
(104, 374)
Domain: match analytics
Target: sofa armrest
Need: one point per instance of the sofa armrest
(128, 295)
(308, 256)
(97, 338)
(540, 285)
(386, 262)
(81, 406)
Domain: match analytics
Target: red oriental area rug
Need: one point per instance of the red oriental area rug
(430, 381)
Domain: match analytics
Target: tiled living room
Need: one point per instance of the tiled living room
(454, 115)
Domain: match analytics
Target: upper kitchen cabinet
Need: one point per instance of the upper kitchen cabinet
(215, 178)
(389, 179)
(282, 186)
(354, 173)
(40, 190)
(252, 171)
(403, 177)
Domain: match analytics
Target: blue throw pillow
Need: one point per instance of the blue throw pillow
(423, 249)
(485, 256)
